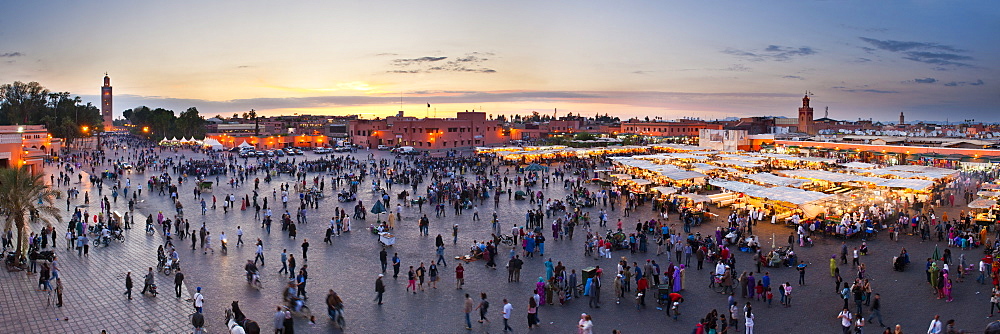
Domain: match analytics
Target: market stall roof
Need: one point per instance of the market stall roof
(738, 163)
(536, 168)
(776, 180)
(704, 152)
(640, 182)
(982, 203)
(740, 187)
(245, 144)
(621, 176)
(859, 165)
(987, 193)
(915, 184)
(790, 195)
(682, 175)
(925, 171)
(741, 157)
(704, 168)
(991, 186)
(696, 198)
(794, 158)
(828, 176)
(665, 190)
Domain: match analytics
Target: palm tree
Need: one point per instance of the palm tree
(23, 194)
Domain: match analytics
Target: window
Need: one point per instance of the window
(445, 143)
(452, 129)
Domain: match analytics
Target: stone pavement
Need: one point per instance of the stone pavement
(350, 266)
(93, 285)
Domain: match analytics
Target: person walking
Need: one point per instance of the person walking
(279, 321)
(395, 265)
(199, 300)
(379, 289)
(383, 259)
(507, 310)
(845, 320)
(305, 249)
(178, 281)
(748, 323)
(291, 266)
(483, 307)
(128, 285)
(147, 281)
(459, 276)
(440, 254)
(876, 308)
(260, 253)
(936, 326)
(284, 261)
(595, 292)
(467, 308)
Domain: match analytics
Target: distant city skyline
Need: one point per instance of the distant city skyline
(673, 59)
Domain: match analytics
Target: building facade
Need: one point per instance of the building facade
(26, 145)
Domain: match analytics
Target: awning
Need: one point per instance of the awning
(740, 187)
(776, 180)
(915, 184)
(982, 203)
(859, 165)
(665, 190)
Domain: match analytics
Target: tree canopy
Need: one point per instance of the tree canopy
(62, 114)
(164, 123)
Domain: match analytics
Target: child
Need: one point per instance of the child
(769, 297)
(759, 290)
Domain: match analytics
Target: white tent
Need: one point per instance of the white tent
(245, 144)
(174, 140)
(215, 145)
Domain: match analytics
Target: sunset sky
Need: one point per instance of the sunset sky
(933, 60)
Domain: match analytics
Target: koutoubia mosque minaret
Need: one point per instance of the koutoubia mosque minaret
(106, 111)
(806, 123)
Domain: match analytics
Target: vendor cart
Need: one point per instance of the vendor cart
(386, 239)
(205, 186)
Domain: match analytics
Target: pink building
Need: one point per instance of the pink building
(467, 129)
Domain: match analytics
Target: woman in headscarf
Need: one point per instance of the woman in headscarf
(679, 279)
(540, 290)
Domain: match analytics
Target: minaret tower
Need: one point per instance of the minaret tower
(106, 111)
(902, 120)
(806, 117)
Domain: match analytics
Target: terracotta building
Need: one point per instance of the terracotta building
(106, 108)
(466, 129)
(806, 123)
(680, 128)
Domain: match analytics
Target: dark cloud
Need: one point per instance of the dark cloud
(11, 54)
(924, 52)
(468, 63)
(937, 58)
(978, 82)
(862, 60)
(737, 68)
(897, 46)
(244, 66)
(386, 54)
(865, 29)
(793, 77)
(877, 91)
(771, 53)
(925, 80)
(413, 61)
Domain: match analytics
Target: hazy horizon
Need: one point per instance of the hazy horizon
(630, 59)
